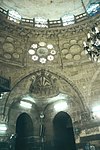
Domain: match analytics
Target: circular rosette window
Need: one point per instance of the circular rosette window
(42, 52)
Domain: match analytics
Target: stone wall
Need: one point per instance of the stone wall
(77, 76)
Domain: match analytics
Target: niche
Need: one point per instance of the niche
(24, 132)
(63, 132)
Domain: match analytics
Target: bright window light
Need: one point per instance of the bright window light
(53, 52)
(43, 60)
(14, 16)
(34, 45)
(25, 104)
(42, 43)
(41, 22)
(68, 19)
(93, 8)
(41, 25)
(58, 97)
(35, 57)
(96, 111)
(28, 98)
(61, 106)
(3, 127)
(68, 23)
(50, 57)
(31, 51)
(49, 46)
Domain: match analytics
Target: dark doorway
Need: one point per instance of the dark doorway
(63, 132)
(24, 133)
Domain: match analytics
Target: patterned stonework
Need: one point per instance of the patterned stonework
(17, 40)
(12, 50)
(77, 77)
(44, 84)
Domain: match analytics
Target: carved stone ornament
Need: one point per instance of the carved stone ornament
(44, 84)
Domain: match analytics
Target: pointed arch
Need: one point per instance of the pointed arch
(63, 132)
(24, 132)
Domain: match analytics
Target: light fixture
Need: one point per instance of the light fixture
(92, 45)
(61, 106)
(25, 104)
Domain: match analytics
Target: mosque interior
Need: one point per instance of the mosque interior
(50, 75)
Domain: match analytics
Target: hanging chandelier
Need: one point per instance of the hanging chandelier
(92, 45)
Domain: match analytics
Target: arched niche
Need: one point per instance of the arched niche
(56, 106)
(16, 110)
(24, 132)
(63, 132)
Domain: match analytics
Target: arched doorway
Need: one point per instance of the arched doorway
(63, 132)
(24, 133)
